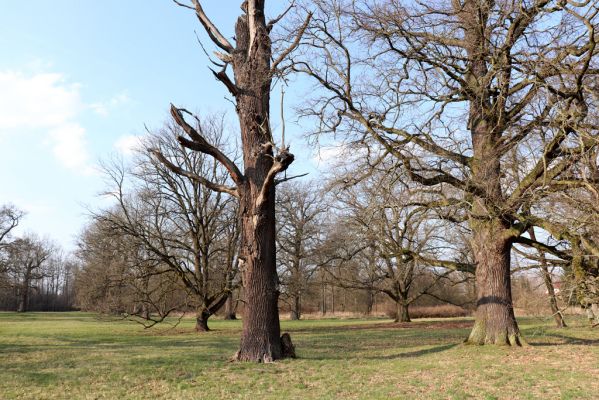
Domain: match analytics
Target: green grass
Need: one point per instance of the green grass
(79, 355)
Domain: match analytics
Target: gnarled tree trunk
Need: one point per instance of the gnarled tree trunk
(250, 59)
(403, 312)
(495, 322)
(260, 340)
(230, 313)
(202, 322)
(296, 311)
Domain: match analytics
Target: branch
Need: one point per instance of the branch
(200, 144)
(273, 22)
(224, 78)
(562, 233)
(210, 28)
(551, 151)
(453, 265)
(233, 191)
(293, 45)
(286, 179)
(281, 162)
(543, 247)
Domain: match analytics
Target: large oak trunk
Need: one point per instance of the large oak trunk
(202, 322)
(260, 340)
(403, 312)
(495, 322)
(24, 298)
(250, 59)
(230, 313)
(261, 337)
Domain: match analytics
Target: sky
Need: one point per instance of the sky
(80, 80)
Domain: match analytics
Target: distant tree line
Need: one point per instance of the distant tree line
(35, 275)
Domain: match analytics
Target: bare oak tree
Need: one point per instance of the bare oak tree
(27, 261)
(176, 224)
(10, 217)
(408, 252)
(450, 90)
(299, 232)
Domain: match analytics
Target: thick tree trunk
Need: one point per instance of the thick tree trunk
(555, 311)
(403, 313)
(23, 299)
(202, 322)
(495, 322)
(261, 337)
(296, 311)
(230, 308)
(260, 340)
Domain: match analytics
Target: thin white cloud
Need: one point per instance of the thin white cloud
(127, 145)
(331, 155)
(37, 101)
(69, 146)
(48, 106)
(103, 108)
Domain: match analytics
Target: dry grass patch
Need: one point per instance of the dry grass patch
(51, 356)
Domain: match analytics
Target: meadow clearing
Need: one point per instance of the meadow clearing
(86, 356)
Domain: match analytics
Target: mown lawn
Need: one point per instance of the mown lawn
(79, 355)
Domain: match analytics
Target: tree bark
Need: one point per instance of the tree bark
(202, 322)
(230, 308)
(296, 310)
(495, 322)
(23, 300)
(261, 336)
(403, 313)
(250, 59)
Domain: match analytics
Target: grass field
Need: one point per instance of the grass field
(78, 355)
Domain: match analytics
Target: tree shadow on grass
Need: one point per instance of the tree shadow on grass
(417, 353)
(133, 344)
(361, 351)
(566, 340)
(442, 324)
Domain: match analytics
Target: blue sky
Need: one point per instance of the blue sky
(78, 81)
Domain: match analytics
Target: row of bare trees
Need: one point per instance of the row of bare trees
(34, 273)
(473, 126)
(356, 243)
(171, 242)
(487, 107)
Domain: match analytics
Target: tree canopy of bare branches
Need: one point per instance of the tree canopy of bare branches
(180, 227)
(454, 92)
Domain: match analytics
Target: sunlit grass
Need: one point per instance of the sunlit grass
(78, 355)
